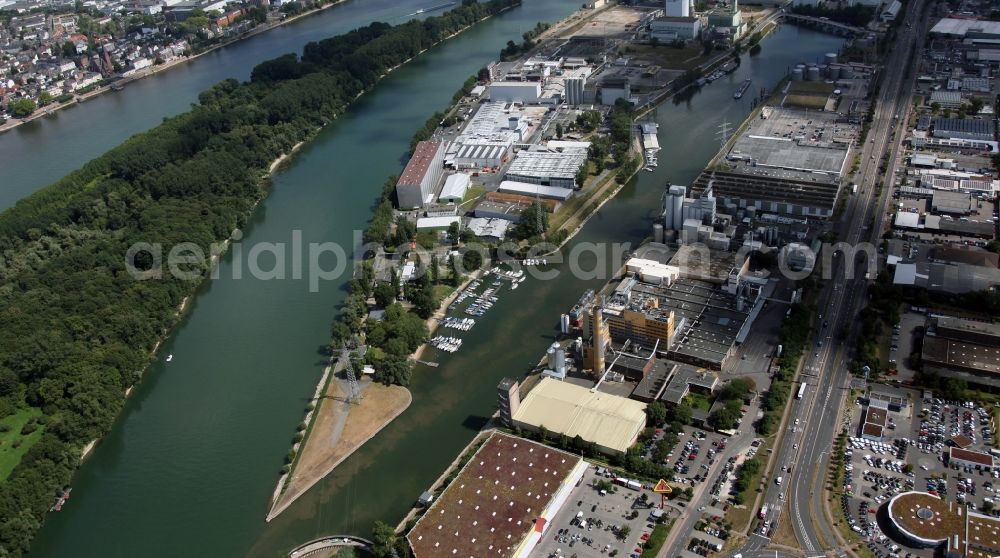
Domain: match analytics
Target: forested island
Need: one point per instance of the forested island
(76, 329)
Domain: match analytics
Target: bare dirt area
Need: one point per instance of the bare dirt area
(785, 534)
(667, 56)
(339, 430)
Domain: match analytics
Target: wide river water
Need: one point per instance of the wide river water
(190, 465)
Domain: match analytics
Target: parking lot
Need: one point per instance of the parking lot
(694, 454)
(594, 518)
(913, 454)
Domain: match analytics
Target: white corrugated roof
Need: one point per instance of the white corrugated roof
(553, 192)
(907, 219)
(609, 421)
(952, 26)
(906, 274)
(436, 222)
(455, 186)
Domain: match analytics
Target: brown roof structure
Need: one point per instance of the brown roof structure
(494, 502)
(970, 456)
(872, 430)
(419, 163)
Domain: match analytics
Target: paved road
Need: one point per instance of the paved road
(813, 421)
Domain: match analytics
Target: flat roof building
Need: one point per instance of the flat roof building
(953, 203)
(685, 379)
(548, 168)
(500, 503)
(964, 128)
(974, 459)
(688, 320)
(528, 189)
(926, 520)
(961, 28)
(489, 228)
(965, 349)
(784, 192)
(611, 422)
(526, 92)
(421, 175)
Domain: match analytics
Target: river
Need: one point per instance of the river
(46, 149)
(189, 467)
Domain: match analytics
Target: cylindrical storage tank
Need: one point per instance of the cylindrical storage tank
(846, 72)
(658, 233)
(751, 211)
(798, 74)
(550, 356)
(813, 73)
(830, 58)
(561, 362)
(564, 324)
(834, 72)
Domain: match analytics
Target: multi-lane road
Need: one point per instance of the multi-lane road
(814, 420)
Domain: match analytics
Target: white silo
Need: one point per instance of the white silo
(658, 233)
(561, 362)
(673, 214)
(812, 74)
(677, 8)
(798, 73)
(564, 324)
(830, 58)
(551, 355)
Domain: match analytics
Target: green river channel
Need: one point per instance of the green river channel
(189, 468)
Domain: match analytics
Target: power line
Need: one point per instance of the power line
(354, 391)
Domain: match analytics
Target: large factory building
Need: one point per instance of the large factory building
(788, 162)
(416, 185)
(488, 137)
(966, 349)
(547, 167)
(610, 422)
(658, 308)
(501, 502)
(525, 92)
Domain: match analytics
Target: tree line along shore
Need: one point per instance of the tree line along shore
(77, 329)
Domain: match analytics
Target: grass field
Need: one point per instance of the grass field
(473, 193)
(13, 445)
(811, 88)
(699, 401)
(805, 101)
(740, 518)
(442, 291)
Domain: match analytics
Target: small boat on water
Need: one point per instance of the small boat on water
(117, 87)
(743, 89)
(170, 357)
(60, 500)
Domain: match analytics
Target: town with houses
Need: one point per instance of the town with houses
(53, 53)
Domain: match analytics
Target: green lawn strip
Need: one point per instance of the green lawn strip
(656, 539)
(10, 455)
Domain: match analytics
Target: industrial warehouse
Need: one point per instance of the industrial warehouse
(499, 504)
(789, 162)
(964, 349)
(610, 422)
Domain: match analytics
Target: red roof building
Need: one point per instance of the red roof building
(500, 503)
